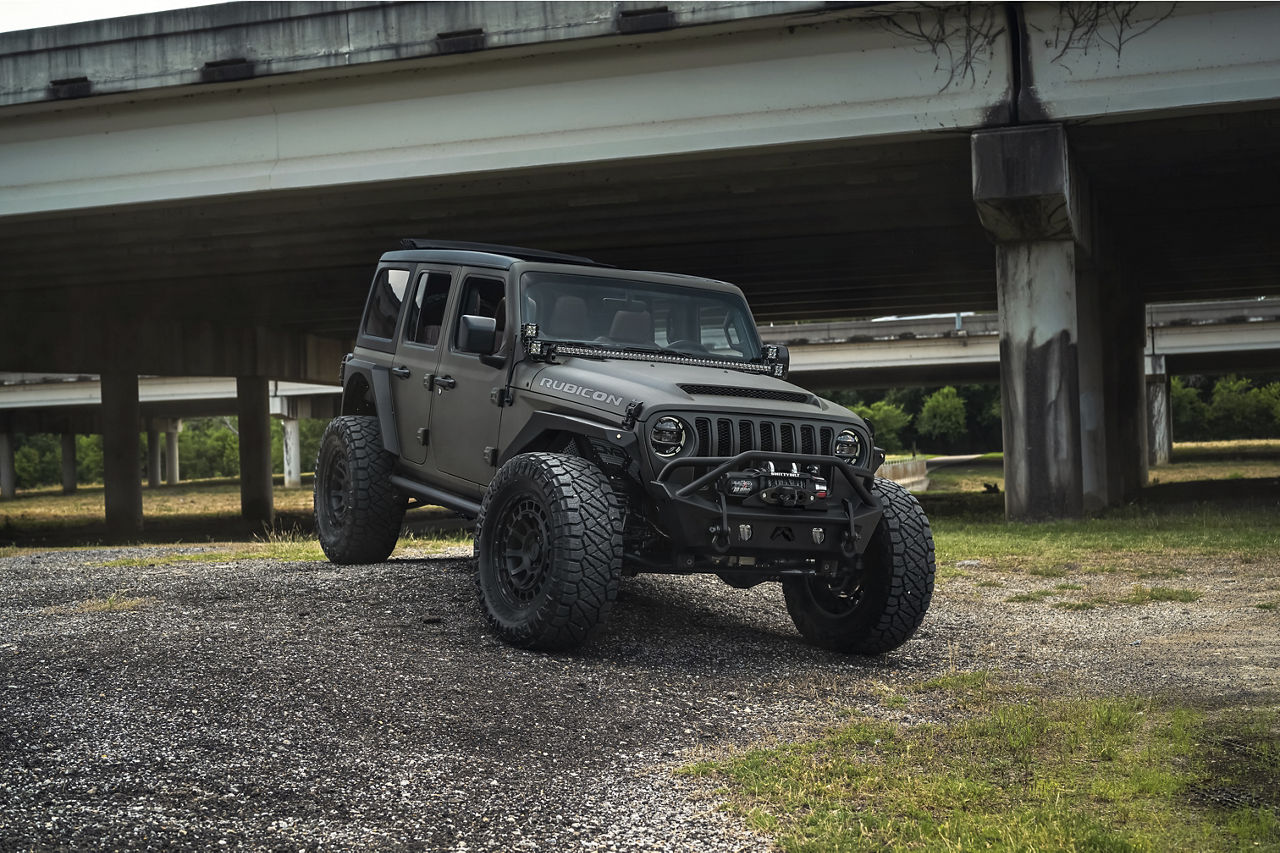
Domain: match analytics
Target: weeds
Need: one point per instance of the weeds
(1050, 774)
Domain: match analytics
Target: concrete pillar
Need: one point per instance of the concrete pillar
(1091, 371)
(253, 401)
(1039, 383)
(292, 453)
(123, 488)
(1034, 206)
(8, 472)
(68, 462)
(1159, 413)
(171, 452)
(1124, 340)
(153, 455)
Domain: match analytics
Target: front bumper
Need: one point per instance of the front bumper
(710, 527)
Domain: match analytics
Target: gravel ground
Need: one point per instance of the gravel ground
(270, 705)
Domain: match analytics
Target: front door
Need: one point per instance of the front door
(415, 362)
(464, 406)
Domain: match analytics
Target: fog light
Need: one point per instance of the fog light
(744, 532)
(818, 536)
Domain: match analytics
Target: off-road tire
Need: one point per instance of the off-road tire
(890, 594)
(358, 511)
(548, 551)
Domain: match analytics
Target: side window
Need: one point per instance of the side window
(384, 303)
(482, 297)
(426, 311)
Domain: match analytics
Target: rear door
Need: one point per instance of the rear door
(416, 358)
(464, 414)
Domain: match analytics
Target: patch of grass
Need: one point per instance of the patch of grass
(1268, 605)
(990, 583)
(1078, 774)
(1033, 595)
(116, 602)
(1068, 586)
(1155, 594)
(1058, 571)
(1075, 605)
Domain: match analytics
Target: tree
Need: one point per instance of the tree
(888, 420)
(1190, 413)
(942, 416)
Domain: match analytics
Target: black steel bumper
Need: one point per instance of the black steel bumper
(705, 522)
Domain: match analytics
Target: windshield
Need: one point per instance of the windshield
(611, 312)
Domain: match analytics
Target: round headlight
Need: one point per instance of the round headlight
(848, 446)
(668, 436)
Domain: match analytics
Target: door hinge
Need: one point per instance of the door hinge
(501, 397)
(422, 436)
(491, 456)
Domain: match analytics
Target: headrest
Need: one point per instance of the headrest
(632, 327)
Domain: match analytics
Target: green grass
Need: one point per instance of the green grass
(291, 547)
(116, 602)
(1111, 542)
(1149, 594)
(1121, 774)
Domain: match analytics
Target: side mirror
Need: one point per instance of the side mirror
(476, 334)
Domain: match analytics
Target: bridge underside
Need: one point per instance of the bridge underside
(1188, 208)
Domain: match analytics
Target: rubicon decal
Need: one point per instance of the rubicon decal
(581, 391)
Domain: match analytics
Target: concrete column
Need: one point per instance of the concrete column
(1124, 340)
(1159, 413)
(1039, 381)
(123, 488)
(1091, 371)
(153, 455)
(68, 462)
(292, 453)
(171, 452)
(8, 472)
(253, 403)
(1034, 205)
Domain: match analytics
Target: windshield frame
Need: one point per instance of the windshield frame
(657, 314)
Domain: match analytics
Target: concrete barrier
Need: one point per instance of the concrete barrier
(911, 474)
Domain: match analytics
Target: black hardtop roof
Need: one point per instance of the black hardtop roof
(518, 253)
(505, 257)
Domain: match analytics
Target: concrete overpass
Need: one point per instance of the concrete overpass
(203, 192)
(68, 405)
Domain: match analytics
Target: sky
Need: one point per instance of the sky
(29, 14)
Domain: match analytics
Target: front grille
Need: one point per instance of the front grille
(729, 436)
(752, 393)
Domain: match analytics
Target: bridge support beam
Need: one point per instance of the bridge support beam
(122, 485)
(171, 452)
(153, 455)
(253, 402)
(1123, 321)
(1159, 413)
(68, 462)
(1052, 376)
(292, 440)
(8, 471)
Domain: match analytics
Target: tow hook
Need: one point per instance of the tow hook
(850, 538)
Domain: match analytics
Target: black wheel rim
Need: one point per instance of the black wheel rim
(838, 596)
(522, 553)
(336, 478)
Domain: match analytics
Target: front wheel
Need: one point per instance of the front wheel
(548, 551)
(875, 606)
(358, 511)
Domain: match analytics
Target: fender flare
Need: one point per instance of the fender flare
(378, 380)
(541, 425)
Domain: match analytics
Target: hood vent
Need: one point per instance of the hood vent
(753, 393)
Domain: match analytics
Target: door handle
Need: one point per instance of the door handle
(445, 382)
(400, 372)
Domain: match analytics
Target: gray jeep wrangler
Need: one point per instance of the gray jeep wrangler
(598, 422)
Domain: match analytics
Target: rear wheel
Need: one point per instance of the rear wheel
(548, 551)
(358, 511)
(877, 605)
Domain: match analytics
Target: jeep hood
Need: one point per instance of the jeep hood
(610, 386)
